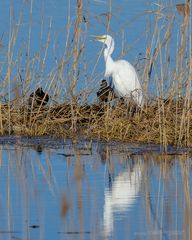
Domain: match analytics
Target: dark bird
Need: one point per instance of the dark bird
(39, 97)
(105, 92)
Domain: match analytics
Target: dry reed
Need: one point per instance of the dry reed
(165, 120)
(156, 123)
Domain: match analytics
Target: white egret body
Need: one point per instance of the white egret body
(124, 76)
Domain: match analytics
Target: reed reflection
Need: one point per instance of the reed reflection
(100, 193)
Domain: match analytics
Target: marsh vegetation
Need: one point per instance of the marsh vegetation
(73, 111)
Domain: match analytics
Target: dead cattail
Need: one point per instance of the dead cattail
(64, 206)
(183, 8)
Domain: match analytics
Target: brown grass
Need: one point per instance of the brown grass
(162, 122)
(166, 120)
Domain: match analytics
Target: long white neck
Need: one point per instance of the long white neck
(108, 59)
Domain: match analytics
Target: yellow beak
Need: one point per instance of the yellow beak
(100, 38)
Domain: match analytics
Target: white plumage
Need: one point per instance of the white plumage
(124, 76)
(122, 196)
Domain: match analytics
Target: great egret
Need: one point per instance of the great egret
(124, 76)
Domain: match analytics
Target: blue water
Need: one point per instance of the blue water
(37, 23)
(113, 190)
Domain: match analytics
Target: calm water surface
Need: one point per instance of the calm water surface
(54, 189)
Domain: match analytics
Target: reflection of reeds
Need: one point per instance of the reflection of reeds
(34, 185)
(169, 216)
(64, 206)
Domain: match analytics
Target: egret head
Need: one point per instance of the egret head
(106, 39)
(109, 43)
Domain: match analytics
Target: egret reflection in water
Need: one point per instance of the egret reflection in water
(122, 196)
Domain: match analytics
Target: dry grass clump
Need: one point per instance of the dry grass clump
(161, 122)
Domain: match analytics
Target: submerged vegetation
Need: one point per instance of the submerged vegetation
(164, 119)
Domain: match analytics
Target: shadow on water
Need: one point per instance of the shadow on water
(56, 189)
